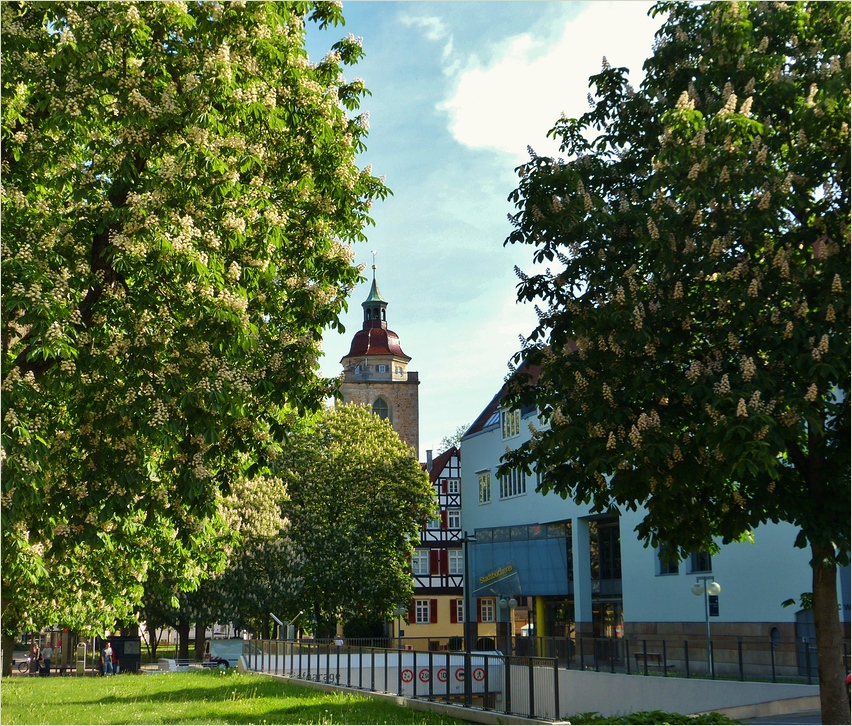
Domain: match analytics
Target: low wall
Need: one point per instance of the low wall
(613, 694)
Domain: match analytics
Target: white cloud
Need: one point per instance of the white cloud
(516, 98)
(435, 30)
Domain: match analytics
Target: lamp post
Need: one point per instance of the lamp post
(399, 611)
(466, 540)
(705, 588)
(509, 605)
(466, 591)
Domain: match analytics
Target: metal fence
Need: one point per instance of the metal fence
(738, 658)
(725, 657)
(514, 685)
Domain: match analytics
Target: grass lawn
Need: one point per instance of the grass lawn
(204, 697)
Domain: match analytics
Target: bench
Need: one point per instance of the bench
(173, 664)
(654, 660)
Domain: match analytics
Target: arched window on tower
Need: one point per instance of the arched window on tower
(383, 314)
(375, 313)
(368, 313)
(381, 409)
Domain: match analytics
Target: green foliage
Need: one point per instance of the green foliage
(694, 346)
(454, 439)
(202, 697)
(261, 575)
(179, 198)
(358, 497)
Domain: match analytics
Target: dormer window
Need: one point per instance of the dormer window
(511, 421)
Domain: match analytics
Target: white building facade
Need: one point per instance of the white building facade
(585, 575)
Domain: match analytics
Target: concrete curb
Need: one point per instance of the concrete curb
(772, 708)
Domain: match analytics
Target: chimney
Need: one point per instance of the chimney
(429, 460)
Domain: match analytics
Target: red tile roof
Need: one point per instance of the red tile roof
(440, 462)
(375, 339)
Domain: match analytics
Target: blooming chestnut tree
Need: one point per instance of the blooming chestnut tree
(179, 200)
(693, 331)
(357, 500)
(257, 578)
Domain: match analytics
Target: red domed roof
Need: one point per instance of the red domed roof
(375, 339)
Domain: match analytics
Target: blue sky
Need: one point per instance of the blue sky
(459, 89)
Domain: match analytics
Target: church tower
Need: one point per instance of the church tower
(375, 371)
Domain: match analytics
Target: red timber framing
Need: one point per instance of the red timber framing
(443, 539)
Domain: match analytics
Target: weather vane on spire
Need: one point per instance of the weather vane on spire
(374, 264)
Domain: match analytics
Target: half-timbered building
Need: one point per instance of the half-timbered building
(436, 612)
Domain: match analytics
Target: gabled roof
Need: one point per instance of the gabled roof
(492, 409)
(441, 461)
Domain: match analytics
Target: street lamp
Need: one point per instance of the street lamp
(511, 604)
(705, 588)
(399, 611)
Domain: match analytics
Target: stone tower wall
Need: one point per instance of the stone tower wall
(402, 397)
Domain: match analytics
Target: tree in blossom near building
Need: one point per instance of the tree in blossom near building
(180, 196)
(694, 334)
(258, 577)
(357, 500)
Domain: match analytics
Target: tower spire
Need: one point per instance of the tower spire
(375, 305)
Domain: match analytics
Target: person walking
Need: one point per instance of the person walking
(47, 655)
(35, 657)
(108, 668)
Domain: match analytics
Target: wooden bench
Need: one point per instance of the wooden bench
(654, 660)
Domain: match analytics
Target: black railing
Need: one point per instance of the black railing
(739, 658)
(514, 685)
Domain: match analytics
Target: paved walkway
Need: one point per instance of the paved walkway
(802, 717)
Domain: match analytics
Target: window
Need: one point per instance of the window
(486, 610)
(382, 368)
(459, 611)
(665, 566)
(453, 519)
(700, 562)
(421, 611)
(380, 408)
(456, 562)
(420, 562)
(453, 486)
(513, 484)
(485, 487)
(398, 370)
(605, 548)
(511, 423)
(433, 524)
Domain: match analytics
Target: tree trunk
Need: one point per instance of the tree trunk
(153, 642)
(65, 652)
(8, 647)
(829, 637)
(183, 639)
(200, 639)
